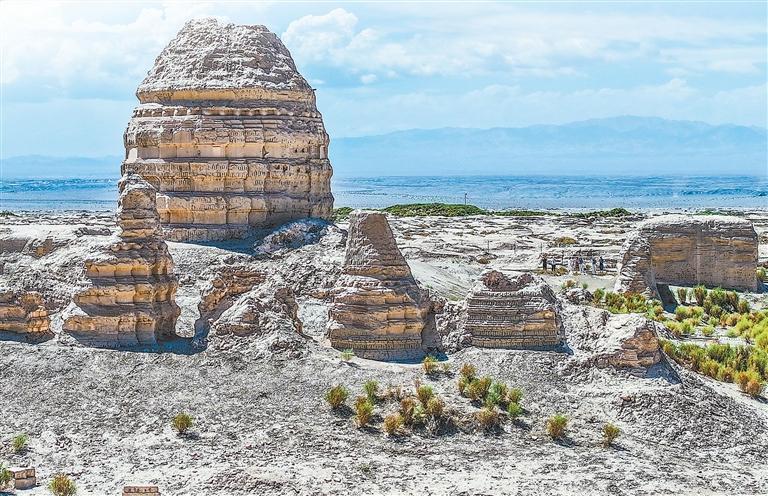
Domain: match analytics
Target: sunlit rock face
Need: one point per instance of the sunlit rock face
(130, 300)
(378, 310)
(229, 134)
(23, 312)
(687, 250)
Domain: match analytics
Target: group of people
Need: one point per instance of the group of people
(576, 264)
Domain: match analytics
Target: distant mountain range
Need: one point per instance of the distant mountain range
(611, 146)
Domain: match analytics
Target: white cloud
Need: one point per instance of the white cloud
(368, 78)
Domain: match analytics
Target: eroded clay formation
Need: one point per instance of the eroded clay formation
(513, 312)
(689, 250)
(378, 310)
(131, 297)
(229, 134)
(23, 312)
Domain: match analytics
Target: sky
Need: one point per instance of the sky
(69, 70)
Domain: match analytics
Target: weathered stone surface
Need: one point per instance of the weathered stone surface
(229, 282)
(687, 250)
(513, 312)
(23, 312)
(625, 341)
(131, 299)
(229, 133)
(130, 490)
(23, 478)
(259, 311)
(378, 310)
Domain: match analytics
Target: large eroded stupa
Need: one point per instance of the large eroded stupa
(228, 133)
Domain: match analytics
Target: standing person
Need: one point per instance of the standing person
(602, 264)
(544, 263)
(581, 264)
(594, 266)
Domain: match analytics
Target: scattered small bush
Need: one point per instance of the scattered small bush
(753, 388)
(363, 412)
(487, 418)
(336, 396)
(699, 293)
(514, 410)
(515, 395)
(762, 274)
(610, 433)
(478, 388)
(341, 213)
(557, 425)
(468, 370)
(5, 477)
(446, 367)
(682, 296)
(393, 423)
(371, 389)
(430, 365)
(434, 209)
(565, 241)
(497, 394)
(598, 295)
(424, 393)
(62, 485)
(743, 306)
(434, 407)
(568, 284)
(347, 355)
(182, 422)
(20, 443)
(407, 409)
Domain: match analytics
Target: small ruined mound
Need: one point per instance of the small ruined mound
(687, 250)
(293, 235)
(131, 297)
(23, 312)
(264, 320)
(229, 133)
(378, 310)
(513, 312)
(602, 339)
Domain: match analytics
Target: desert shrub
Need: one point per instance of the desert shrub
(434, 407)
(598, 295)
(468, 370)
(462, 384)
(726, 374)
(656, 312)
(62, 485)
(347, 354)
(434, 209)
(514, 410)
(446, 367)
(487, 418)
(394, 393)
(710, 368)
(5, 477)
(424, 393)
(584, 285)
(614, 212)
(732, 298)
(565, 241)
(682, 296)
(371, 389)
(568, 284)
(363, 412)
(713, 322)
(341, 213)
(182, 422)
(716, 311)
(393, 423)
(753, 388)
(743, 306)
(557, 425)
(497, 394)
(20, 443)
(682, 313)
(762, 274)
(610, 433)
(708, 330)
(407, 408)
(430, 365)
(699, 293)
(515, 395)
(336, 396)
(478, 388)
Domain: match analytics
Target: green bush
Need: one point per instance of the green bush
(182, 422)
(682, 296)
(5, 477)
(341, 213)
(62, 485)
(614, 212)
(557, 425)
(699, 293)
(515, 395)
(347, 354)
(407, 409)
(371, 389)
(477, 389)
(598, 295)
(434, 407)
(610, 434)
(514, 410)
(468, 370)
(20, 443)
(434, 209)
(497, 394)
(762, 274)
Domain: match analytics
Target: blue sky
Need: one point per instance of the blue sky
(70, 70)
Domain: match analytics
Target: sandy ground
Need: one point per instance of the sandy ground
(262, 427)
